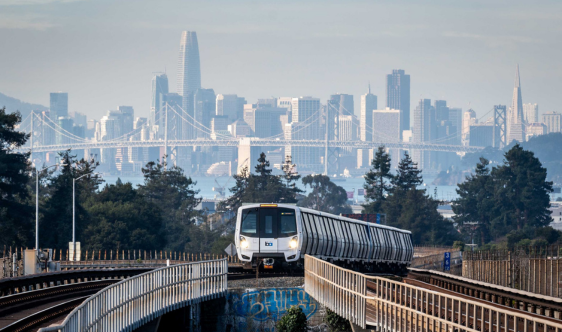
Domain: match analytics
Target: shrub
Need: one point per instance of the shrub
(293, 321)
(335, 322)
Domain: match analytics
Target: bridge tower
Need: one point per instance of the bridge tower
(500, 126)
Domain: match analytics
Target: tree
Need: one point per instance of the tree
(523, 193)
(325, 196)
(120, 217)
(15, 211)
(475, 206)
(377, 182)
(56, 222)
(174, 194)
(293, 321)
(408, 175)
(413, 209)
(232, 203)
(290, 177)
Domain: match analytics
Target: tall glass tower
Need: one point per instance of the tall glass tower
(398, 96)
(189, 69)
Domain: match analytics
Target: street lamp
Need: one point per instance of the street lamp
(74, 213)
(37, 171)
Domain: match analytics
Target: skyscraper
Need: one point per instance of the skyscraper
(204, 105)
(425, 130)
(552, 121)
(128, 118)
(305, 125)
(368, 104)
(189, 69)
(230, 106)
(516, 128)
(531, 112)
(159, 89)
(398, 96)
(58, 105)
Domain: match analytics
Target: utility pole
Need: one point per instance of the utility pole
(166, 136)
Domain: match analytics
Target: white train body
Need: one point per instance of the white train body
(285, 233)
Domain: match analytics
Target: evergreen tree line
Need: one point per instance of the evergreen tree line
(509, 199)
(262, 186)
(407, 207)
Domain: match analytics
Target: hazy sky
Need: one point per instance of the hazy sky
(103, 53)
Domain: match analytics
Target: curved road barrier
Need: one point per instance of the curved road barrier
(133, 302)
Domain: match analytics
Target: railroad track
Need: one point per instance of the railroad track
(22, 311)
(545, 306)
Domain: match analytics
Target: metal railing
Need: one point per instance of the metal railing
(396, 306)
(135, 301)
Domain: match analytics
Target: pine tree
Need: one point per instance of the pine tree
(523, 196)
(16, 214)
(325, 196)
(377, 182)
(238, 194)
(408, 175)
(290, 176)
(474, 207)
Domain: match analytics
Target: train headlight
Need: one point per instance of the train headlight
(244, 243)
(294, 243)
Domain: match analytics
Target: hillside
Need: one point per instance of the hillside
(13, 104)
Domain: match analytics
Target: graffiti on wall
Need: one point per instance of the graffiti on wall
(272, 303)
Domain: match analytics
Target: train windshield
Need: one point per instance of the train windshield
(268, 222)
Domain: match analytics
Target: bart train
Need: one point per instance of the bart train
(279, 235)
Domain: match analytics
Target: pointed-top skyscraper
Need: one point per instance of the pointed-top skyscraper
(516, 118)
(189, 71)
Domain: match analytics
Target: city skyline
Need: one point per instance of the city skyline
(230, 69)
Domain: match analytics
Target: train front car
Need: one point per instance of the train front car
(268, 236)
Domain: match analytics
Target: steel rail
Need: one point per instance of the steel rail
(44, 315)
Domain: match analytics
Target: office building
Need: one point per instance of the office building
(128, 115)
(531, 112)
(159, 90)
(264, 120)
(204, 105)
(386, 128)
(305, 125)
(552, 122)
(516, 120)
(368, 105)
(65, 124)
(240, 128)
(58, 105)
(286, 102)
(425, 130)
(231, 106)
(398, 95)
(347, 128)
(219, 123)
(469, 119)
(189, 70)
(535, 129)
(481, 134)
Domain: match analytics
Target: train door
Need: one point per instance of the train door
(268, 230)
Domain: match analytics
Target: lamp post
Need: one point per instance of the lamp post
(37, 171)
(74, 213)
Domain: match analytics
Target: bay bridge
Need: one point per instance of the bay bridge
(179, 124)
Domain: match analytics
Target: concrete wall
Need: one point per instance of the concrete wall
(258, 310)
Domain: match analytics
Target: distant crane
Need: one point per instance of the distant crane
(221, 189)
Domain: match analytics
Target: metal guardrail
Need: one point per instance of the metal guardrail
(395, 306)
(135, 301)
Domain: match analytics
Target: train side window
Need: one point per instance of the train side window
(328, 222)
(343, 226)
(384, 244)
(359, 240)
(314, 234)
(249, 224)
(326, 233)
(353, 238)
(341, 240)
(332, 223)
(364, 230)
(305, 234)
(373, 231)
(320, 235)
